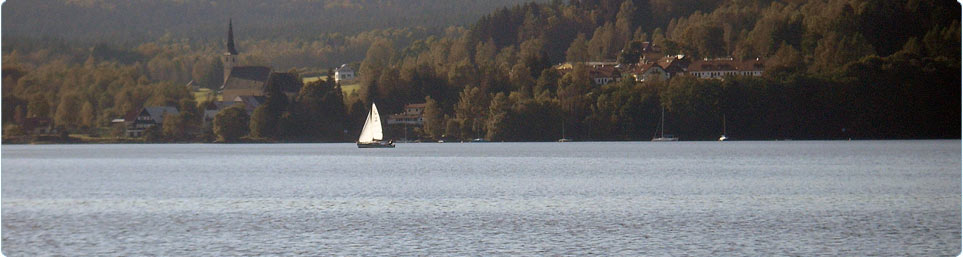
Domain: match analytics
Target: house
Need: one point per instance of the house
(251, 80)
(604, 74)
(650, 53)
(344, 74)
(413, 115)
(137, 122)
(649, 72)
(601, 72)
(674, 65)
(719, 68)
(37, 125)
(568, 65)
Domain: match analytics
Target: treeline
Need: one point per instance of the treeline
(139, 21)
(830, 68)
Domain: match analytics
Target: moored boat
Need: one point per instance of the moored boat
(662, 136)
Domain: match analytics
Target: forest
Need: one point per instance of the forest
(834, 69)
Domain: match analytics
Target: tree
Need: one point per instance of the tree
(67, 110)
(39, 106)
(173, 127)
(624, 22)
(376, 59)
(87, 116)
(434, 123)
(190, 118)
(231, 123)
(498, 118)
(471, 110)
(259, 124)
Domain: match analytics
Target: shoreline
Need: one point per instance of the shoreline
(117, 141)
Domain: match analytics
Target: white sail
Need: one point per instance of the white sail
(372, 127)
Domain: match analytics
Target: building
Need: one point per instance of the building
(37, 125)
(604, 74)
(136, 123)
(719, 68)
(649, 72)
(251, 80)
(344, 74)
(674, 65)
(601, 72)
(413, 115)
(245, 80)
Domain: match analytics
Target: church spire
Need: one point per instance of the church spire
(230, 38)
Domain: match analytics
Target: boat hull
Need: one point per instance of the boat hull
(665, 139)
(376, 145)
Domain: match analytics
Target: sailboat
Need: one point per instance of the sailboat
(564, 139)
(662, 137)
(723, 137)
(371, 135)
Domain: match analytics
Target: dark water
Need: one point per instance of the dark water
(685, 198)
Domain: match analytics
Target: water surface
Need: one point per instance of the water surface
(626, 198)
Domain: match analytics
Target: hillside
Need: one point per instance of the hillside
(147, 20)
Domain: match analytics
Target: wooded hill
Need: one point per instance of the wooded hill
(834, 69)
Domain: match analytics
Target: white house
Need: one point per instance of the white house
(344, 73)
(650, 72)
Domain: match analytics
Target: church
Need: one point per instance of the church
(243, 81)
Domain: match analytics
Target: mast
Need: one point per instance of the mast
(662, 124)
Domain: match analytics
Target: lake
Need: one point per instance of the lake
(850, 198)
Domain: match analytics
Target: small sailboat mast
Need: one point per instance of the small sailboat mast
(661, 136)
(723, 137)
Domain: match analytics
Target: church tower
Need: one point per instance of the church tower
(230, 57)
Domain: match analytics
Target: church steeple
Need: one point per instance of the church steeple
(230, 58)
(230, 38)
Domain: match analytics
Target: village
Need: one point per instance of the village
(245, 86)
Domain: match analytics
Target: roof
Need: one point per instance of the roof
(258, 73)
(250, 102)
(421, 105)
(726, 65)
(648, 66)
(604, 71)
(247, 77)
(344, 68)
(223, 104)
(157, 112)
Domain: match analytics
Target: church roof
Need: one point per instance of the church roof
(258, 73)
(238, 75)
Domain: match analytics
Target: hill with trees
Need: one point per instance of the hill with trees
(834, 69)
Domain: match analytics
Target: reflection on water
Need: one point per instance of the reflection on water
(696, 198)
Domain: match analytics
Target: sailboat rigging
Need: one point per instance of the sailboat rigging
(723, 137)
(662, 137)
